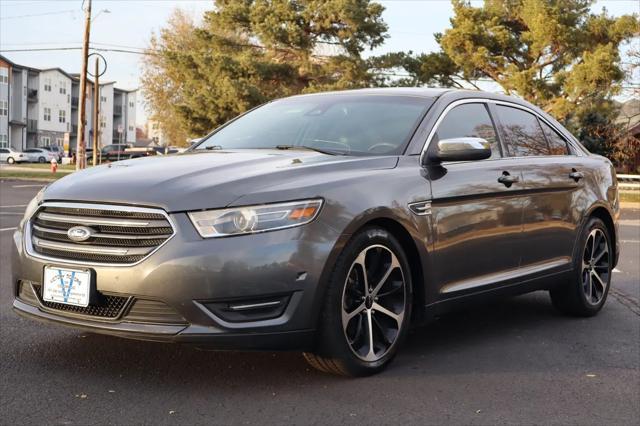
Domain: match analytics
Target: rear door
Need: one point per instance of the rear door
(477, 219)
(552, 180)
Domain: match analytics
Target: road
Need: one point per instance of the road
(515, 361)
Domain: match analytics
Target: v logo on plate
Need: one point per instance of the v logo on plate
(66, 289)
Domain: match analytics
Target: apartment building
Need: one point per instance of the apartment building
(155, 133)
(40, 107)
(53, 108)
(18, 96)
(124, 116)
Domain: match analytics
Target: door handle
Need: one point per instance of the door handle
(507, 180)
(576, 175)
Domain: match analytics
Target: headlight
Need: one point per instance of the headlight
(252, 219)
(32, 207)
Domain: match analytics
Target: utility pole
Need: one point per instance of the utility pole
(81, 160)
(96, 114)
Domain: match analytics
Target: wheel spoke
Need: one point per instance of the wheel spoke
(371, 355)
(394, 264)
(599, 280)
(396, 317)
(593, 246)
(604, 251)
(589, 290)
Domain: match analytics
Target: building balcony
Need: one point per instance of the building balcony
(117, 110)
(17, 122)
(32, 95)
(32, 126)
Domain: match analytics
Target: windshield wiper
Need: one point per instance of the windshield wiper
(310, 148)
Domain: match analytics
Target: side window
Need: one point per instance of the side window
(557, 144)
(522, 132)
(4, 151)
(469, 120)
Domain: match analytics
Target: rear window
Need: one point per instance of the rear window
(557, 144)
(522, 132)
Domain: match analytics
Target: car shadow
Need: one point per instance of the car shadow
(487, 332)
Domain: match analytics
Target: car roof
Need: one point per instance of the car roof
(423, 92)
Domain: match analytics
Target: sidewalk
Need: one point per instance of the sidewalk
(14, 168)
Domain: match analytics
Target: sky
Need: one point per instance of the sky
(34, 24)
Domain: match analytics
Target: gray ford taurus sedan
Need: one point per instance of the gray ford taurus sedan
(327, 223)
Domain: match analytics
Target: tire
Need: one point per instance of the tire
(41, 159)
(586, 292)
(10, 160)
(347, 350)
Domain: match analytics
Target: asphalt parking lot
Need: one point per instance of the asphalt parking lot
(515, 361)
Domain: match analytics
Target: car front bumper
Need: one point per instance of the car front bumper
(182, 286)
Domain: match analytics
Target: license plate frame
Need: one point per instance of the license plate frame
(68, 286)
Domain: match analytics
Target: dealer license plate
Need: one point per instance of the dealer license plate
(68, 286)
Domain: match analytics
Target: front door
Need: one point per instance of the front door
(476, 209)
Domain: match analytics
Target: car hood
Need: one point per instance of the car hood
(212, 179)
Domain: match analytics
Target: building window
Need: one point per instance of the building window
(45, 141)
(62, 116)
(68, 98)
(103, 99)
(4, 141)
(59, 141)
(132, 104)
(63, 88)
(47, 85)
(4, 108)
(131, 128)
(4, 76)
(47, 114)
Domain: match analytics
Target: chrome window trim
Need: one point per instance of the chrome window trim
(28, 242)
(580, 151)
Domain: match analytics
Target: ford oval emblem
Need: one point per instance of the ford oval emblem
(80, 233)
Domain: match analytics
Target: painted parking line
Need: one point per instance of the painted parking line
(8, 229)
(629, 222)
(14, 206)
(616, 270)
(630, 241)
(28, 186)
(11, 213)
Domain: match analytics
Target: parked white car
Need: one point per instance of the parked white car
(10, 155)
(40, 155)
(57, 150)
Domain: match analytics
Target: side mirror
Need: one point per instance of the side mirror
(461, 149)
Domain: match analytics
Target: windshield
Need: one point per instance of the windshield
(338, 124)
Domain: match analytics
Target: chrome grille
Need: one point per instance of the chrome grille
(119, 235)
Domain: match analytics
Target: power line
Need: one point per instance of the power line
(38, 14)
(98, 49)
